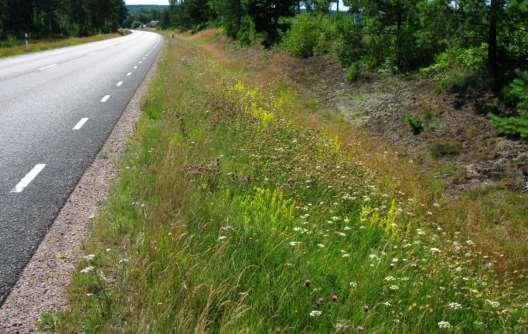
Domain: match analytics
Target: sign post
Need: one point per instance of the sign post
(26, 36)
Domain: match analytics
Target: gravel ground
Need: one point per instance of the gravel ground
(42, 285)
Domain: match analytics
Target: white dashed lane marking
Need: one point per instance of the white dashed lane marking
(135, 67)
(105, 98)
(119, 84)
(28, 178)
(79, 125)
(129, 74)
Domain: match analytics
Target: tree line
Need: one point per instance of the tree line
(50, 18)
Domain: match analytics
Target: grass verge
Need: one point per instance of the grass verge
(18, 47)
(235, 214)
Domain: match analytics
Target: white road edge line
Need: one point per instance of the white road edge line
(28, 178)
(105, 98)
(79, 125)
(119, 84)
(47, 67)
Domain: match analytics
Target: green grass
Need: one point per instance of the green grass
(230, 216)
(17, 47)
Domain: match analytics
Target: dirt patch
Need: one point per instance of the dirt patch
(42, 286)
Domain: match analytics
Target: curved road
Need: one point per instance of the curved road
(56, 110)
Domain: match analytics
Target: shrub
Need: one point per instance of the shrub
(516, 93)
(455, 65)
(415, 123)
(353, 73)
(310, 35)
(247, 34)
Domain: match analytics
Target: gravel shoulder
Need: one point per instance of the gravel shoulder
(42, 285)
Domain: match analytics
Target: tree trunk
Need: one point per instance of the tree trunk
(493, 66)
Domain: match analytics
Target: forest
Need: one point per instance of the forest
(59, 18)
(471, 46)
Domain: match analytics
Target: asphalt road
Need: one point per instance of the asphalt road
(56, 110)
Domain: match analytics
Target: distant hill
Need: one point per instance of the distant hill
(138, 8)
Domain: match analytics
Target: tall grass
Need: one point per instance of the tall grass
(231, 216)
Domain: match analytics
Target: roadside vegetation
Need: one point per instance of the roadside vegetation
(240, 208)
(474, 49)
(13, 48)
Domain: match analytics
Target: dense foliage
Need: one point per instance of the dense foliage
(46, 18)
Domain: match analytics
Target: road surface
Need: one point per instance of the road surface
(56, 110)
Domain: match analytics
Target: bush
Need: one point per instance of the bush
(455, 65)
(516, 93)
(302, 38)
(247, 34)
(310, 35)
(353, 73)
(415, 123)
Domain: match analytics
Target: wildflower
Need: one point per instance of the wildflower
(334, 298)
(335, 218)
(321, 245)
(394, 287)
(307, 283)
(354, 285)
(390, 278)
(434, 250)
(222, 237)
(316, 313)
(87, 270)
(341, 234)
(444, 325)
(294, 243)
(360, 328)
(89, 257)
(365, 308)
(345, 255)
(387, 303)
(454, 306)
(342, 327)
(493, 304)
(346, 228)
(319, 301)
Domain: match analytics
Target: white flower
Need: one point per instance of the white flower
(89, 257)
(341, 234)
(354, 285)
(390, 278)
(222, 237)
(316, 313)
(493, 304)
(294, 243)
(394, 287)
(345, 255)
(444, 324)
(454, 306)
(387, 303)
(321, 245)
(87, 270)
(435, 250)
